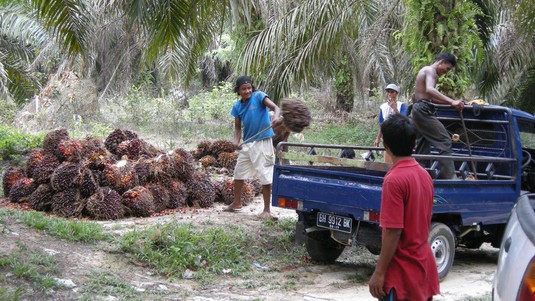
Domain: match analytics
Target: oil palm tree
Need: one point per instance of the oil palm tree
(311, 42)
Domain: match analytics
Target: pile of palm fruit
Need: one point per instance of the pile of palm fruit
(122, 176)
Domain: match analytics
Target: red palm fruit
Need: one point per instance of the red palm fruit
(144, 170)
(182, 165)
(203, 149)
(41, 198)
(257, 187)
(114, 139)
(67, 175)
(160, 196)
(130, 148)
(227, 160)
(104, 204)
(89, 185)
(227, 191)
(34, 158)
(138, 201)
(21, 190)
(69, 150)
(201, 192)
(68, 203)
(208, 161)
(178, 193)
(110, 176)
(52, 140)
(10, 177)
(221, 146)
(44, 170)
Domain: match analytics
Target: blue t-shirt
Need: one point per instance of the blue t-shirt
(254, 116)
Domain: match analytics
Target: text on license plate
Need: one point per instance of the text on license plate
(335, 222)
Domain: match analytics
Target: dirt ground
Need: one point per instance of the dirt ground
(470, 277)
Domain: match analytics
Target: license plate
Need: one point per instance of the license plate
(334, 222)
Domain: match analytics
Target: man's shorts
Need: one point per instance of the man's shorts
(256, 158)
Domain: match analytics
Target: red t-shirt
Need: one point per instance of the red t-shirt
(406, 203)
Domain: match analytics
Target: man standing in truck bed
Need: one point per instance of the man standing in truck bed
(406, 268)
(432, 132)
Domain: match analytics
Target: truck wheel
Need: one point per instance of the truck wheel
(442, 244)
(321, 247)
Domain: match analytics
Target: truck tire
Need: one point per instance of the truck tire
(442, 244)
(321, 247)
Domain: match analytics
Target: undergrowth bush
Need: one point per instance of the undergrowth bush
(14, 142)
(213, 105)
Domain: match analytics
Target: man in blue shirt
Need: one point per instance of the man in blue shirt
(256, 155)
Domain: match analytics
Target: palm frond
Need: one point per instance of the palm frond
(68, 20)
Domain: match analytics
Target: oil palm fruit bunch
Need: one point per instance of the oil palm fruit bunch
(221, 146)
(52, 140)
(208, 161)
(218, 188)
(89, 185)
(160, 196)
(114, 139)
(68, 203)
(130, 148)
(34, 158)
(162, 167)
(41, 198)
(21, 190)
(69, 150)
(104, 204)
(203, 149)
(227, 160)
(178, 193)
(201, 192)
(296, 115)
(257, 187)
(144, 170)
(138, 202)
(45, 168)
(92, 148)
(110, 176)
(10, 177)
(182, 164)
(227, 192)
(67, 175)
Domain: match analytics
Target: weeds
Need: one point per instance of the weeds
(61, 228)
(32, 267)
(174, 248)
(105, 284)
(14, 143)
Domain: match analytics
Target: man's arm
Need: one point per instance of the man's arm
(237, 131)
(388, 248)
(273, 107)
(435, 95)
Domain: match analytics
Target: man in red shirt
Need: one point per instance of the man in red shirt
(406, 268)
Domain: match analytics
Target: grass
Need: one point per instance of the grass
(27, 270)
(105, 284)
(87, 232)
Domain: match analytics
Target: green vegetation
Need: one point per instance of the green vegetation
(27, 267)
(106, 284)
(87, 232)
(14, 142)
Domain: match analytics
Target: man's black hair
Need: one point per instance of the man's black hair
(399, 135)
(244, 79)
(448, 57)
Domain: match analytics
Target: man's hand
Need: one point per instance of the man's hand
(458, 104)
(376, 285)
(376, 143)
(393, 105)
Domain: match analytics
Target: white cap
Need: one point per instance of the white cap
(392, 87)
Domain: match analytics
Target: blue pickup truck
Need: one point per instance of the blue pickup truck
(338, 199)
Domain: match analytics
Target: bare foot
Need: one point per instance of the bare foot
(232, 208)
(266, 215)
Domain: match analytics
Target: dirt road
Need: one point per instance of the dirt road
(470, 277)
